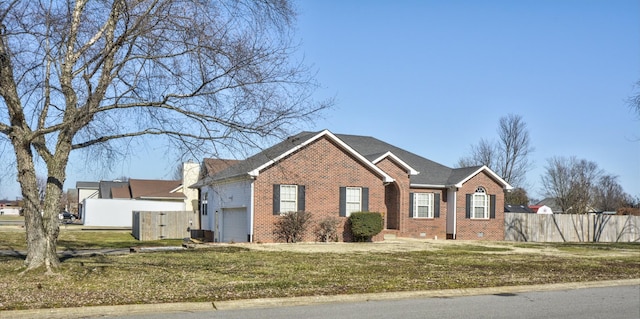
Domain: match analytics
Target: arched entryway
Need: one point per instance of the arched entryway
(392, 201)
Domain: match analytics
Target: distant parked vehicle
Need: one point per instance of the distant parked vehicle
(67, 217)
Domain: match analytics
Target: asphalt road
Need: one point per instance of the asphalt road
(587, 303)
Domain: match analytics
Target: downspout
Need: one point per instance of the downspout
(455, 212)
(199, 221)
(251, 212)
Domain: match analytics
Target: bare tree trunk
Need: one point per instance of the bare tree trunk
(41, 229)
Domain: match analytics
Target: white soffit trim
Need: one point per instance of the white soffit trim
(505, 185)
(426, 186)
(396, 159)
(386, 177)
(176, 189)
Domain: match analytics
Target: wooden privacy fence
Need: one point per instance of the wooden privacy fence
(161, 225)
(571, 227)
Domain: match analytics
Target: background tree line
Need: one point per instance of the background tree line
(577, 185)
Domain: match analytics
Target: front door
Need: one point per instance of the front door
(392, 202)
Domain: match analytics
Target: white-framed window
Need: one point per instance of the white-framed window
(480, 204)
(353, 200)
(205, 204)
(423, 205)
(288, 198)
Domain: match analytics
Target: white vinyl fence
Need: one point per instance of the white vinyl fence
(571, 228)
(118, 212)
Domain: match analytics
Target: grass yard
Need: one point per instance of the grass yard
(237, 272)
(78, 239)
(12, 217)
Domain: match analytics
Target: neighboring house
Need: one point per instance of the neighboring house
(86, 190)
(518, 209)
(551, 203)
(113, 189)
(541, 209)
(8, 207)
(332, 175)
(112, 202)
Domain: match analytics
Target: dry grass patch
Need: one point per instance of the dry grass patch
(232, 272)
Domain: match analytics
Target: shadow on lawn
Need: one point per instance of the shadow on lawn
(11, 253)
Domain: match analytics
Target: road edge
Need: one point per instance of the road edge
(101, 311)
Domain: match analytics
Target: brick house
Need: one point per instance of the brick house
(331, 175)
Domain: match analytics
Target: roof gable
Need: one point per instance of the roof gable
(334, 138)
(252, 166)
(468, 172)
(410, 170)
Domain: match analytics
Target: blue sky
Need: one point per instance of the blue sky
(434, 77)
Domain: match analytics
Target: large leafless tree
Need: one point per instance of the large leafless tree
(91, 74)
(509, 156)
(572, 183)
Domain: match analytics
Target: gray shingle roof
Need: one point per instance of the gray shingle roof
(517, 209)
(243, 167)
(430, 172)
(459, 174)
(106, 186)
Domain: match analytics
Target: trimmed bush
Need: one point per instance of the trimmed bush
(365, 225)
(328, 229)
(291, 226)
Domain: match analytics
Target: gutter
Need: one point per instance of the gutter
(427, 186)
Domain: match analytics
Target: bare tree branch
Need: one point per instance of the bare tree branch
(634, 101)
(572, 183)
(509, 156)
(93, 75)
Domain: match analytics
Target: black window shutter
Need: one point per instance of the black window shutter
(468, 208)
(492, 206)
(343, 202)
(365, 199)
(411, 195)
(301, 203)
(436, 205)
(276, 199)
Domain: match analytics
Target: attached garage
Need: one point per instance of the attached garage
(234, 225)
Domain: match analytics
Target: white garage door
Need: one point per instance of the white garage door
(234, 225)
